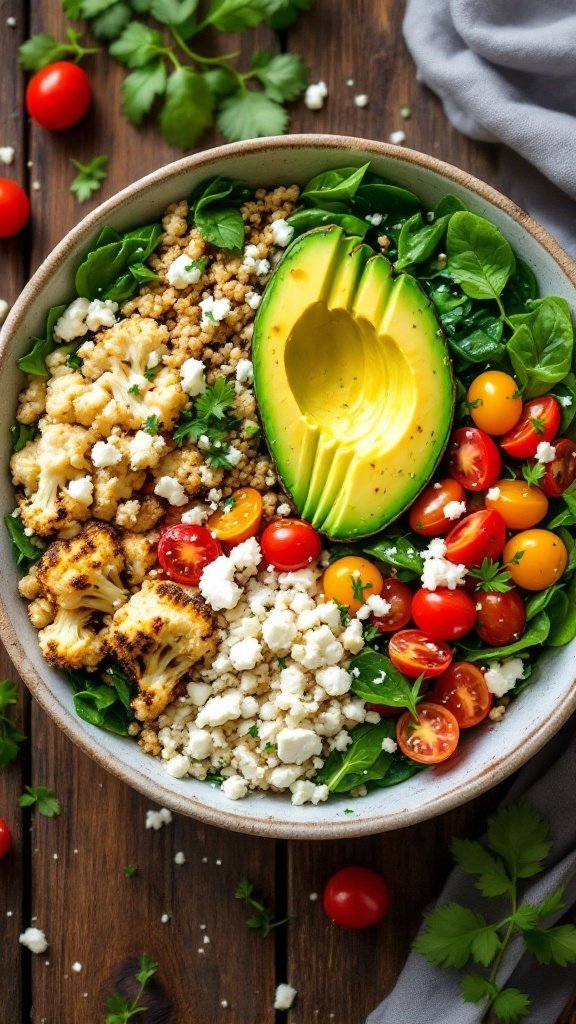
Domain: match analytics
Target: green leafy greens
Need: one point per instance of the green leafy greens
(10, 735)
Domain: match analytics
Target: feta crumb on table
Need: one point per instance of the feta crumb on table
(34, 939)
(315, 95)
(156, 819)
(180, 857)
(397, 138)
(4, 307)
(362, 100)
(76, 967)
(7, 154)
(284, 997)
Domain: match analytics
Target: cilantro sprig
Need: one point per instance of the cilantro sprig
(491, 577)
(120, 1011)
(515, 848)
(533, 474)
(261, 919)
(43, 798)
(207, 423)
(10, 735)
(90, 177)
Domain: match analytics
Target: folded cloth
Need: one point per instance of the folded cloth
(425, 994)
(505, 71)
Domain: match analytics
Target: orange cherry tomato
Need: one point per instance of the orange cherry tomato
(350, 580)
(240, 519)
(520, 504)
(535, 559)
(463, 690)
(427, 513)
(494, 401)
(415, 654)
(431, 737)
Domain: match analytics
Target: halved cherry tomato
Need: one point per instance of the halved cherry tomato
(501, 617)
(415, 654)
(463, 690)
(431, 737)
(350, 580)
(290, 544)
(240, 519)
(185, 550)
(494, 402)
(399, 597)
(535, 559)
(58, 95)
(481, 535)
(5, 838)
(427, 513)
(14, 207)
(443, 614)
(540, 421)
(356, 897)
(473, 459)
(562, 471)
(520, 504)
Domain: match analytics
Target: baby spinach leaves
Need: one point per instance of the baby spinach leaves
(480, 259)
(334, 187)
(363, 761)
(25, 551)
(398, 551)
(541, 347)
(34, 361)
(22, 433)
(114, 267)
(418, 240)
(316, 217)
(215, 210)
(377, 681)
(104, 704)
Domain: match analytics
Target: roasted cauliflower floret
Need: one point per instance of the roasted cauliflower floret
(116, 483)
(139, 554)
(83, 573)
(41, 612)
(156, 637)
(184, 465)
(70, 641)
(32, 400)
(44, 468)
(61, 392)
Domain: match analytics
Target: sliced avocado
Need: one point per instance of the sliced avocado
(353, 382)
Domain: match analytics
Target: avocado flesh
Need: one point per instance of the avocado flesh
(353, 383)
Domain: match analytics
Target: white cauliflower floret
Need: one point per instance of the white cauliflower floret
(156, 637)
(44, 468)
(140, 554)
(32, 400)
(84, 572)
(61, 393)
(70, 641)
(115, 483)
(182, 465)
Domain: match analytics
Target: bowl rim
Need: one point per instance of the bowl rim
(65, 719)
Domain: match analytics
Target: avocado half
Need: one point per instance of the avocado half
(353, 382)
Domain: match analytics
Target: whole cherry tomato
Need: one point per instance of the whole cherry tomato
(540, 421)
(415, 654)
(58, 95)
(431, 737)
(443, 614)
(427, 513)
(463, 690)
(473, 459)
(350, 580)
(535, 559)
(5, 838)
(561, 472)
(356, 897)
(185, 550)
(501, 617)
(290, 544)
(494, 402)
(14, 208)
(481, 535)
(520, 504)
(399, 597)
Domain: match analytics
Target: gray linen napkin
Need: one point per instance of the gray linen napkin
(505, 71)
(429, 995)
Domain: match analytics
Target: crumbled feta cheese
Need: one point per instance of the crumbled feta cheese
(244, 371)
(11, 22)
(145, 450)
(234, 455)
(349, 82)
(334, 680)
(246, 555)
(389, 746)
(284, 775)
(199, 743)
(182, 272)
(82, 490)
(304, 792)
(282, 232)
(253, 299)
(320, 648)
(283, 509)
(246, 654)
(105, 453)
(178, 766)
(378, 605)
(101, 314)
(503, 676)
(170, 488)
(72, 323)
(397, 138)
(180, 857)
(76, 967)
(198, 693)
(374, 218)
(454, 509)
(297, 745)
(156, 819)
(362, 100)
(565, 401)
(545, 452)
(7, 154)
(352, 638)
(4, 307)
(438, 570)
(164, 918)
(34, 939)
(279, 630)
(493, 493)
(195, 516)
(315, 95)
(284, 997)
(235, 787)
(192, 377)
(363, 612)
(217, 584)
(214, 310)
(220, 709)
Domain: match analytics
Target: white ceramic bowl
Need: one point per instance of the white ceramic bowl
(487, 755)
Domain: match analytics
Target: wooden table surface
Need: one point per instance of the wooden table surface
(66, 873)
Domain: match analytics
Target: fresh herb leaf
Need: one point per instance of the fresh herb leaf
(26, 552)
(284, 76)
(43, 49)
(251, 115)
(141, 87)
(262, 919)
(112, 21)
(520, 836)
(10, 735)
(452, 932)
(491, 577)
(510, 1005)
(173, 12)
(187, 112)
(130, 871)
(138, 45)
(134, 389)
(152, 425)
(22, 434)
(215, 400)
(43, 798)
(281, 14)
(120, 1011)
(358, 588)
(533, 473)
(90, 178)
(493, 878)
(480, 259)
(253, 731)
(235, 15)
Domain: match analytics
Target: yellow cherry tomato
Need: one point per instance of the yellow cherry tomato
(535, 559)
(350, 580)
(519, 504)
(494, 402)
(240, 517)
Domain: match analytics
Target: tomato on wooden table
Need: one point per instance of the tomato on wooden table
(399, 597)
(351, 580)
(443, 614)
(473, 459)
(560, 473)
(463, 690)
(494, 401)
(415, 654)
(535, 559)
(58, 95)
(239, 519)
(185, 550)
(427, 513)
(14, 208)
(356, 897)
(521, 505)
(478, 536)
(540, 421)
(431, 737)
(5, 838)
(290, 544)
(501, 617)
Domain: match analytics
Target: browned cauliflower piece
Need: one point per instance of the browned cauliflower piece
(184, 465)
(139, 554)
(70, 641)
(83, 573)
(156, 637)
(32, 400)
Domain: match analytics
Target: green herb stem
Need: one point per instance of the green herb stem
(199, 58)
(505, 942)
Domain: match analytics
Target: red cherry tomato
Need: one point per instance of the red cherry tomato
(185, 550)
(5, 838)
(462, 689)
(431, 737)
(58, 95)
(289, 544)
(414, 654)
(473, 459)
(481, 535)
(427, 513)
(399, 597)
(356, 898)
(443, 614)
(562, 471)
(540, 421)
(14, 208)
(501, 617)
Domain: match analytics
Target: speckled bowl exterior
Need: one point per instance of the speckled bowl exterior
(487, 755)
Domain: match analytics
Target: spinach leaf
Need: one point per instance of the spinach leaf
(337, 186)
(26, 552)
(400, 769)
(447, 205)
(398, 551)
(483, 344)
(391, 200)
(106, 705)
(565, 392)
(34, 361)
(22, 433)
(521, 287)
(305, 220)
(480, 259)
(538, 602)
(418, 241)
(534, 636)
(377, 681)
(562, 612)
(343, 770)
(107, 235)
(221, 226)
(541, 347)
(102, 273)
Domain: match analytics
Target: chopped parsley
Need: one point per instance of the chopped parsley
(208, 421)
(253, 731)
(151, 425)
(492, 578)
(358, 588)
(134, 390)
(130, 871)
(150, 372)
